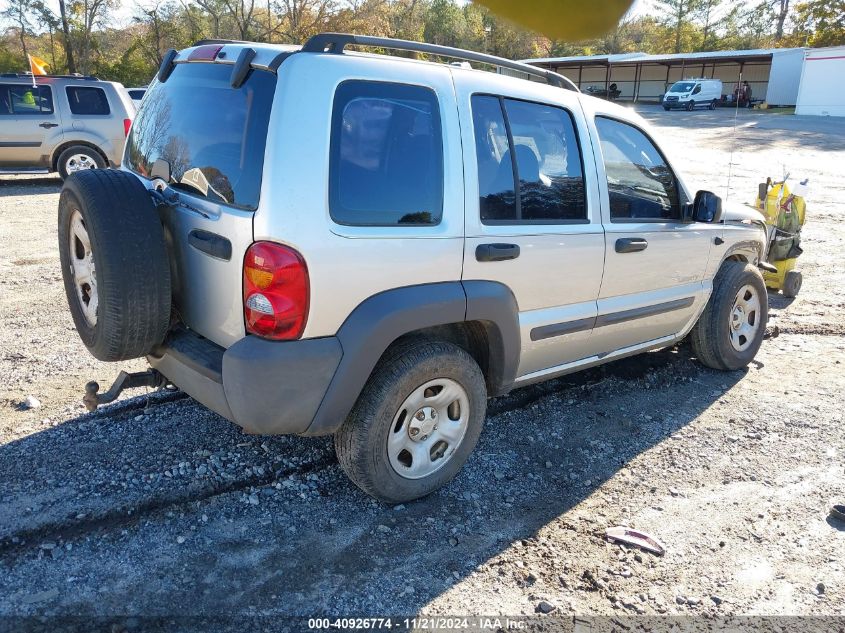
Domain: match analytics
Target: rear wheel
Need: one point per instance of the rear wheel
(415, 423)
(79, 158)
(713, 104)
(792, 284)
(729, 332)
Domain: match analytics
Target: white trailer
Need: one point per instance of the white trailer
(820, 92)
(784, 76)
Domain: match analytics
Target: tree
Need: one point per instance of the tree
(820, 23)
(300, 19)
(18, 12)
(160, 30)
(781, 11)
(71, 63)
(47, 19)
(241, 11)
(679, 15)
(709, 17)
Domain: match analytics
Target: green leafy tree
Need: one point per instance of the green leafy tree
(819, 23)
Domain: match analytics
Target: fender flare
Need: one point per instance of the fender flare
(747, 248)
(380, 320)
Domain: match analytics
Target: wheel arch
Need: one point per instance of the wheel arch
(54, 160)
(749, 251)
(479, 316)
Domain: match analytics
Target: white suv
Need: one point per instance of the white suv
(316, 241)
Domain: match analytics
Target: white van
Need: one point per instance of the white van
(689, 93)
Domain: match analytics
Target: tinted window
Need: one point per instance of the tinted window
(386, 165)
(17, 99)
(639, 182)
(496, 191)
(87, 100)
(137, 94)
(211, 136)
(542, 153)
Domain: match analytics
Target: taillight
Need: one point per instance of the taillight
(205, 53)
(127, 123)
(276, 291)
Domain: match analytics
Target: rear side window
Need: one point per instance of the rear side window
(87, 100)
(211, 136)
(17, 99)
(535, 146)
(386, 165)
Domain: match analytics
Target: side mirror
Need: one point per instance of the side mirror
(707, 207)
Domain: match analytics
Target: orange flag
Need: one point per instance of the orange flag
(37, 65)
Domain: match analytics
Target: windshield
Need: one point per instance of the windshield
(210, 135)
(682, 86)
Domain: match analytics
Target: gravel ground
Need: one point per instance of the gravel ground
(157, 506)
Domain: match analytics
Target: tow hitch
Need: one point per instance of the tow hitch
(149, 378)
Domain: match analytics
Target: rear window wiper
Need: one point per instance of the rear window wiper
(168, 197)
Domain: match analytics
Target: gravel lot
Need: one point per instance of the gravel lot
(157, 506)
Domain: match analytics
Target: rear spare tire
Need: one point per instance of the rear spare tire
(114, 264)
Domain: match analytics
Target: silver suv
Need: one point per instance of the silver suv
(61, 123)
(315, 241)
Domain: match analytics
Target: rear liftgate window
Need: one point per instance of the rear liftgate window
(210, 135)
(386, 155)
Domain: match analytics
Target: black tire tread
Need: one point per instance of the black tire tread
(351, 440)
(705, 334)
(133, 271)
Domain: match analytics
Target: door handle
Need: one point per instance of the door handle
(630, 244)
(47, 125)
(496, 252)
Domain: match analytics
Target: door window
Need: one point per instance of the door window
(534, 145)
(386, 157)
(640, 183)
(87, 100)
(17, 100)
(697, 89)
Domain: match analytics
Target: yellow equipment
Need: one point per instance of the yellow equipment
(785, 213)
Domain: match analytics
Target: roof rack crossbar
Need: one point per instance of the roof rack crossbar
(336, 42)
(26, 75)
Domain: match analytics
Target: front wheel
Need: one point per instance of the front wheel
(691, 106)
(729, 332)
(415, 423)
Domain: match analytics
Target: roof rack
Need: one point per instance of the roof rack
(336, 42)
(30, 76)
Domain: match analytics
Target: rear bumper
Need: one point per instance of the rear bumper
(266, 387)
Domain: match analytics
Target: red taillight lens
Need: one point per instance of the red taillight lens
(127, 123)
(276, 291)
